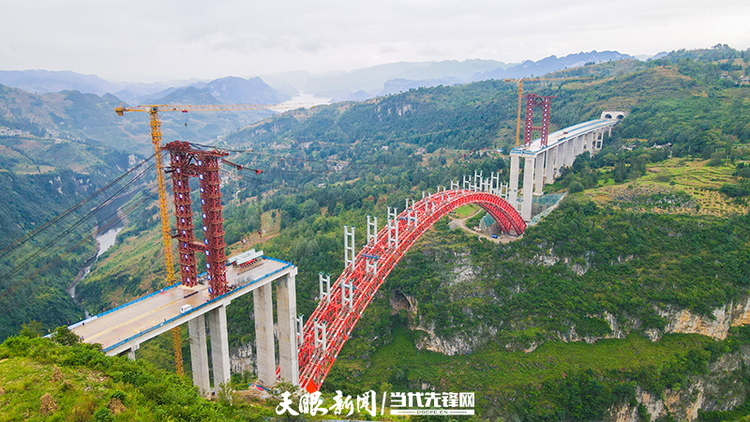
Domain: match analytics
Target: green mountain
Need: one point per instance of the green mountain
(41, 181)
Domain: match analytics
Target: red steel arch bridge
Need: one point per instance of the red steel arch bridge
(344, 302)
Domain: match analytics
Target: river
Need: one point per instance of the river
(105, 241)
(311, 99)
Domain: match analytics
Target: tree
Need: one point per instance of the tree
(62, 335)
(32, 329)
(621, 172)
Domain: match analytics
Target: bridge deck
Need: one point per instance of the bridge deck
(563, 135)
(134, 321)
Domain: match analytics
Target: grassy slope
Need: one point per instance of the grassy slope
(87, 381)
(501, 372)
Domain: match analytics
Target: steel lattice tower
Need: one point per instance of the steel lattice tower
(533, 100)
(187, 162)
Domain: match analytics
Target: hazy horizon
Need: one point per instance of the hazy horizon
(147, 42)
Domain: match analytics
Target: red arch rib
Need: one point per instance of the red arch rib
(316, 362)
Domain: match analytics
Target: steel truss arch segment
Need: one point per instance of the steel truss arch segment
(340, 318)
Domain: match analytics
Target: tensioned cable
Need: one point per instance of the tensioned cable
(58, 238)
(67, 212)
(84, 237)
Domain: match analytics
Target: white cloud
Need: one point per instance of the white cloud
(145, 40)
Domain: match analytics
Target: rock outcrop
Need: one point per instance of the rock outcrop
(242, 359)
(717, 390)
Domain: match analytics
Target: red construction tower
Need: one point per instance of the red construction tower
(187, 162)
(533, 100)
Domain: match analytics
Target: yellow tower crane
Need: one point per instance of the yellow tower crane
(153, 111)
(520, 96)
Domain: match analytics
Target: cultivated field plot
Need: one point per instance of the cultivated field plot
(675, 186)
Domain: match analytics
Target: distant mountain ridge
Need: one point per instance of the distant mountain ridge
(43, 81)
(357, 84)
(372, 80)
(49, 81)
(229, 90)
(91, 118)
(552, 64)
(354, 85)
(392, 78)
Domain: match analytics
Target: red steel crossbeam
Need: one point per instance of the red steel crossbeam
(340, 318)
(186, 162)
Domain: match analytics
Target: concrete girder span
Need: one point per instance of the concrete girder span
(332, 322)
(123, 329)
(543, 163)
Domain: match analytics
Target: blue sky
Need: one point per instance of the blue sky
(165, 40)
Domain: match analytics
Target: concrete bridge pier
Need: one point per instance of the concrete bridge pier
(199, 354)
(582, 144)
(217, 323)
(549, 166)
(264, 343)
(570, 153)
(264, 338)
(528, 188)
(513, 188)
(539, 175)
(286, 309)
(131, 351)
(559, 159)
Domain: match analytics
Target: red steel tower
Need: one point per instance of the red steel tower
(187, 162)
(533, 100)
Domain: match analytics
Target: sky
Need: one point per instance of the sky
(146, 41)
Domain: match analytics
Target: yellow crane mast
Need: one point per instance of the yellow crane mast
(520, 96)
(153, 111)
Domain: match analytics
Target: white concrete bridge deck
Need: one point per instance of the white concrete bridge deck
(564, 135)
(128, 325)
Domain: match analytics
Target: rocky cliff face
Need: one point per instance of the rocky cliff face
(242, 359)
(718, 390)
(460, 344)
(681, 321)
(730, 315)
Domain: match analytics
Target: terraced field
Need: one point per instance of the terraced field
(675, 186)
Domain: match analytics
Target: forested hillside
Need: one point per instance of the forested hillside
(41, 182)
